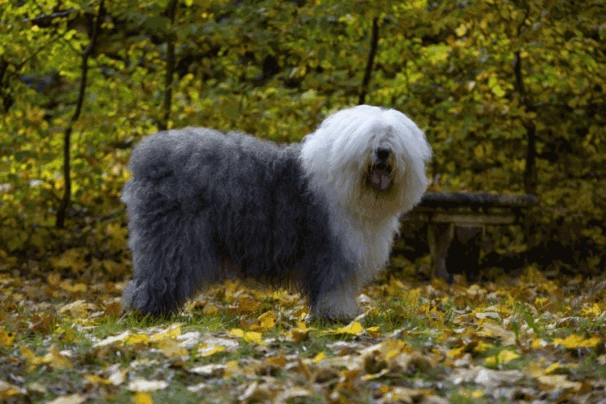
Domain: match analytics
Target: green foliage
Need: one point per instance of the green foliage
(276, 69)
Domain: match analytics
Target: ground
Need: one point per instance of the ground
(528, 339)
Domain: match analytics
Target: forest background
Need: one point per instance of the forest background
(511, 95)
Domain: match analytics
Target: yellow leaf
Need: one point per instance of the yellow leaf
(31, 357)
(538, 343)
(136, 339)
(6, 338)
(456, 353)
(300, 333)
(319, 357)
(142, 398)
(57, 360)
(253, 337)
(208, 351)
(172, 332)
(354, 328)
(502, 357)
(231, 368)
(236, 332)
(477, 394)
(171, 348)
(373, 331)
(8, 390)
(593, 311)
(94, 379)
(267, 320)
(552, 368)
(574, 341)
(28, 354)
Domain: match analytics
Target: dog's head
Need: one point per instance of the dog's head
(370, 160)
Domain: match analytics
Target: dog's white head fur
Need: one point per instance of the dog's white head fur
(368, 160)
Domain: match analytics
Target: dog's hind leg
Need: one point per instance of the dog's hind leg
(173, 256)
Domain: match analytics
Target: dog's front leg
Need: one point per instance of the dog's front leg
(337, 300)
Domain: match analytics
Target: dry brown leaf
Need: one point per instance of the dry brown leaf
(558, 381)
(292, 392)
(256, 392)
(494, 330)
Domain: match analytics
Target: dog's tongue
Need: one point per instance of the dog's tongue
(380, 179)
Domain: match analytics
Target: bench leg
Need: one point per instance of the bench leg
(439, 237)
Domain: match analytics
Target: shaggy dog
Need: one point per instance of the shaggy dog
(205, 206)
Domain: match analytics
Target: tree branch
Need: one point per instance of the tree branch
(61, 212)
(170, 65)
(374, 40)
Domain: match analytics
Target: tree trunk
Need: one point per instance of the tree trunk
(374, 40)
(67, 190)
(170, 66)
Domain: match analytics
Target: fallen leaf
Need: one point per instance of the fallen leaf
(574, 341)
(172, 349)
(72, 399)
(137, 339)
(212, 370)
(94, 379)
(78, 309)
(500, 358)
(558, 381)
(354, 328)
(206, 351)
(56, 360)
(8, 390)
(142, 398)
(300, 333)
(319, 357)
(6, 338)
(142, 385)
(267, 321)
(494, 330)
(173, 332)
(112, 340)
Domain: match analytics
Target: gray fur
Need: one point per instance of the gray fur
(204, 205)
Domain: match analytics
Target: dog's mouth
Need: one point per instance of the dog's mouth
(379, 177)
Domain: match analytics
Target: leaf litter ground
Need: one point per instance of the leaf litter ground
(529, 339)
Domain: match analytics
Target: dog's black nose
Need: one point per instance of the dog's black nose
(382, 154)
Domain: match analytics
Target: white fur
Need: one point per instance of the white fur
(336, 157)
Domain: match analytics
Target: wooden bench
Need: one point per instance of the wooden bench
(464, 215)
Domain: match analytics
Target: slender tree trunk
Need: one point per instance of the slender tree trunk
(170, 66)
(530, 171)
(67, 190)
(374, 40)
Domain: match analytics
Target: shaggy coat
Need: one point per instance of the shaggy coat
(204, 206)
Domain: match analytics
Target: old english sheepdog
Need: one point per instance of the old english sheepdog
(204, 206)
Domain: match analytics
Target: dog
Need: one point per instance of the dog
(204, 206)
